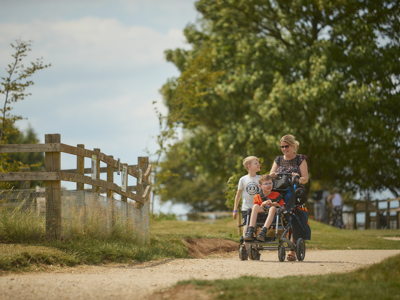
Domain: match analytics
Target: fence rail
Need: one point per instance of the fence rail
(379, 221)
(53, 175)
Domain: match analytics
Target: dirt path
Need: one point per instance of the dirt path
(138, 281)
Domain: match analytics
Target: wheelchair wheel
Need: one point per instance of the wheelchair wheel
(281, 252)
(242, 252)
(300, 249)
(253, 253)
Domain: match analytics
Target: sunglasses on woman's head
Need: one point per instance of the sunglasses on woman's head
(285, 147)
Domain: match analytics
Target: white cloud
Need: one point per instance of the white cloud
(94, 42)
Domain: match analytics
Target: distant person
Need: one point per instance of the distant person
(319, 198)
(290, 162)
(247, 188)
(335, 201)
(265, 200)
(325, 195)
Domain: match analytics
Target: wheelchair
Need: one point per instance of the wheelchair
(283, 222)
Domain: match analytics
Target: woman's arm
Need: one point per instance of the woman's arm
(304, 171)
(273, 170)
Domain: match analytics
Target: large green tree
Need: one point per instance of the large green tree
(324, 71)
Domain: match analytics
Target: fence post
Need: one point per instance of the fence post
(367, 217)
(355, 214)
(25, 186)
(398, 220)
(53, 189)
(96, 189)
(378, 221)
(80, 187)
(141, 185)
(80, 166)
(388, 214)
(110, 178)
(124, 198)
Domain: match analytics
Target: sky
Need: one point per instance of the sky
(107, 67)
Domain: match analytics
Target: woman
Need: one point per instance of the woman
(335, 201)
(290, 162)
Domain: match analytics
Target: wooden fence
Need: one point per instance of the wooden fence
(53, 175)
(379, 221)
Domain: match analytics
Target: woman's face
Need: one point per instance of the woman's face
(286, 148)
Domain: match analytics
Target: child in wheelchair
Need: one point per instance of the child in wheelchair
(266, 201)
(291, 218)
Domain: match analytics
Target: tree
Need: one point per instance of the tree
(13, 162)
(324, 71)
(14, 85)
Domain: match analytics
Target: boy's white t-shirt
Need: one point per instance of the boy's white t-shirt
(249, 187)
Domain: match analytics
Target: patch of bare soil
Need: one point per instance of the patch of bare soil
(199, 248)
(154, 279)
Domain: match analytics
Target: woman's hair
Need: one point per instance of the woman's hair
(291, 140)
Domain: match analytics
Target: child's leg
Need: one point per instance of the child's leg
(256, 209)
(270, 218)
(263, 232)
(248, 236)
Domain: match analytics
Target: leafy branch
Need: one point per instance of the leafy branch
(13, 86)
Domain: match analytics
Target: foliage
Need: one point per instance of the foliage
(163, 217)
(14, 85)
(185, 182)
(324, 71)
(13, 162)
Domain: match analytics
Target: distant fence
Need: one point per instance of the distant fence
(375, 217)
(382, 219)
(134, 203)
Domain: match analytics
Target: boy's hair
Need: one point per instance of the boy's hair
(265, 177)
(248, 160)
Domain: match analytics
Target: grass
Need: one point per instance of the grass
(25, 248)
(380, 281)
(326, 237)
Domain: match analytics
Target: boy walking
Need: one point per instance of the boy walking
(265, 200)
(247, 188)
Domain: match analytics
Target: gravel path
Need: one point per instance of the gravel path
(138, 281)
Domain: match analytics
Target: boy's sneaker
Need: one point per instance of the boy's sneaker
(249, 234)
(263, 234)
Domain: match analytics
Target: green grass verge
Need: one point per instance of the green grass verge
(380, 281)
(165, 242)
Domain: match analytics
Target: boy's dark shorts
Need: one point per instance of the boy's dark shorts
(260, 217)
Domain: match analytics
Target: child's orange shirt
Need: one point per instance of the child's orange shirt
(272, 196)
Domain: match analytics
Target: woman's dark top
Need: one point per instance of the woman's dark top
(289, 166)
